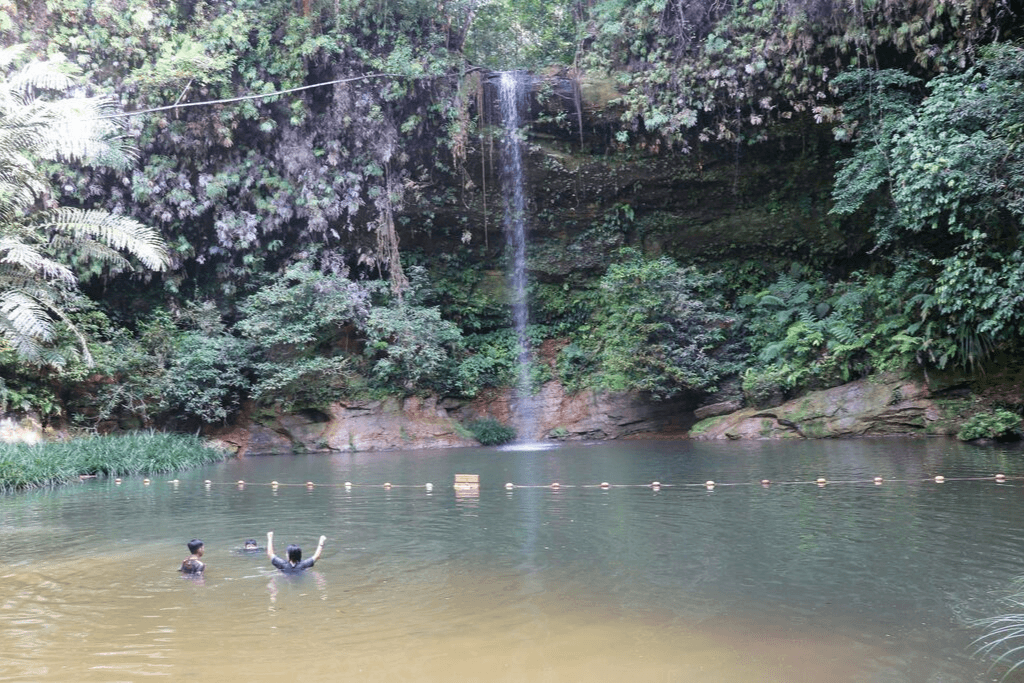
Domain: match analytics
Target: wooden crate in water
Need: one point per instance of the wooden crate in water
(465, 482)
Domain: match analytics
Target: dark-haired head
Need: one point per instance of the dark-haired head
(250, 544)
(194, 545)
(294, 554)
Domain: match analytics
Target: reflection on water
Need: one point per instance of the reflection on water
(790, 583)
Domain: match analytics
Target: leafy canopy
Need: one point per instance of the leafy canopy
(945, 181)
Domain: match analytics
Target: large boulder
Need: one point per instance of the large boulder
(880, 406)
(389, 424)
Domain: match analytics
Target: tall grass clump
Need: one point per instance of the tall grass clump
(24, 466)
(1003, 635)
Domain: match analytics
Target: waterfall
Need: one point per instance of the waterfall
(513, 100)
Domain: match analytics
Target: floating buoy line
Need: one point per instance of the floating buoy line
(473, 483)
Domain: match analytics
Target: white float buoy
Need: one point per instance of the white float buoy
(118, 480)
(555, 485)
(822, 481)
(878, 481)
(348, 484)
(605, 485)
(387, 484)
(309, 484)
(766, 482)
(429, 486)
(1000, 477)
(509, 486)
(939, 479)
(710, 483)
(145, 482)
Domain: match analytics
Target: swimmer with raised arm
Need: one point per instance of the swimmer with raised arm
(294, 563)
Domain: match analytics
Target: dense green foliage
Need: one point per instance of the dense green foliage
(951, 170)
(730, 69)
(657, 327)
(999, 424)
(490, 432)
(295, 329)
(23, 466)
(332, 222)
(810, 334)
(170, 372)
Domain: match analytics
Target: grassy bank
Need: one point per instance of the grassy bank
(51, 464)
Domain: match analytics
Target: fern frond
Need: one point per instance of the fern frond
(27, 257)
(25, 325)
(79, 131)
(24, 315)
(91, 251)
(58, 76)
(118, 232)
(36, 282)
(10, 54)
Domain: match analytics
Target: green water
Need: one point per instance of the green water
(791, 582)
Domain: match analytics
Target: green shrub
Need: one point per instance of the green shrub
(575, 367)
(808, 333)
(298, 330)
(658, 328)
(493, 360)
(999, 424)
(185, 367)
(490, 432)
(412, 348)
(767, 386)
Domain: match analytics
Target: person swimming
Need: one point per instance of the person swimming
(192, 564)
(294, 564)
(251, 546)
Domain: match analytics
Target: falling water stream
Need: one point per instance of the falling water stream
(512, 97)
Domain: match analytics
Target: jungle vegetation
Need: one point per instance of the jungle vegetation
(317, 174)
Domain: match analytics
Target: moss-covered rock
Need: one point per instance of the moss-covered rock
(879, 406)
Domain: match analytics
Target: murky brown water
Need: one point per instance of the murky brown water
(795, 583)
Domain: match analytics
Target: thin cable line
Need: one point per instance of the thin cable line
(243, 98)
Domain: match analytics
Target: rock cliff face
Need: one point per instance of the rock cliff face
(880, 406)
(885, 406)
(414, 422)
(23, 429)
(871, 407)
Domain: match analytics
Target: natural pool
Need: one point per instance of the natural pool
(794, 582)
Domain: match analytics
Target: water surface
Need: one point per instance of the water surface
(794, 582)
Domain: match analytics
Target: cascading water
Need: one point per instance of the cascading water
(512, 97)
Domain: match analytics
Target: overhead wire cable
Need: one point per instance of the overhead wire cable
(242, 98)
